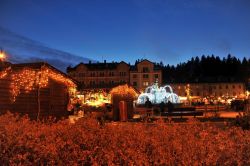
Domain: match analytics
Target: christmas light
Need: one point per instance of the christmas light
(28, 79)
(4, 72)
(124, 90)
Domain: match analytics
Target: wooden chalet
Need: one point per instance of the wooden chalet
(36, 89)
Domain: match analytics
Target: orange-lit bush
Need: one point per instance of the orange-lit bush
(85, 142)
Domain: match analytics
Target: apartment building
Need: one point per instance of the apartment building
(143, 74)
(230, 89)
(100, 75)
(108, 75)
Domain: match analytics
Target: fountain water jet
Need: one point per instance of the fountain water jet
(157, 94)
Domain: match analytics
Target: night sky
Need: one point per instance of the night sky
(171, 31)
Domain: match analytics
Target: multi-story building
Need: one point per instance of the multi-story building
(100, 75)
(108, 75)
(210, 89)
(143, 74)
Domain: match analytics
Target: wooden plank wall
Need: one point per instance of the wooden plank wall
(53, 100)
(58, 99)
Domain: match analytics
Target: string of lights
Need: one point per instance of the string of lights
(28, 79)
(123, 90)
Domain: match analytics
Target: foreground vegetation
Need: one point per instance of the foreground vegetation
(27, 142)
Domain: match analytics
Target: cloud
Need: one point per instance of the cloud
(22, 49)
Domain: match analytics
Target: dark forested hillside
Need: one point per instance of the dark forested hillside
(208, 69)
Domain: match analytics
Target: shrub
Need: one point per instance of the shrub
(26, 142)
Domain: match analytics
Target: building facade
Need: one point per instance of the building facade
(144, 74)
(210, 89)
(108, 75)
(100, 75)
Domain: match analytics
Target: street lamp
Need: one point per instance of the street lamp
(2, 55)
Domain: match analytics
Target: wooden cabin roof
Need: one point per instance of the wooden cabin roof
(35, 66)
(38, 65)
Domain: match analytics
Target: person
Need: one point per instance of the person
(162, 105)
(148, 103)
(170, 106)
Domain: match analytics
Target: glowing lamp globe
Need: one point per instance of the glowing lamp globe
(2, 55)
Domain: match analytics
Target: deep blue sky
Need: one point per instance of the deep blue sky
(171, 31)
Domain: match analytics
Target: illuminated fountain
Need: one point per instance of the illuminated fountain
(156, 95)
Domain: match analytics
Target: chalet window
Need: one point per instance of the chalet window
(156, 76)
(111, 82)
(81, 74)
(134, 76)
(145, 75)
(92, 74)
(101, 74)
(92, 82)
(122, 81)
(122, 73)
(134, 83)
(111, 73)
(145, 69)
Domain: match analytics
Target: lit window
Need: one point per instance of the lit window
(145, 83)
